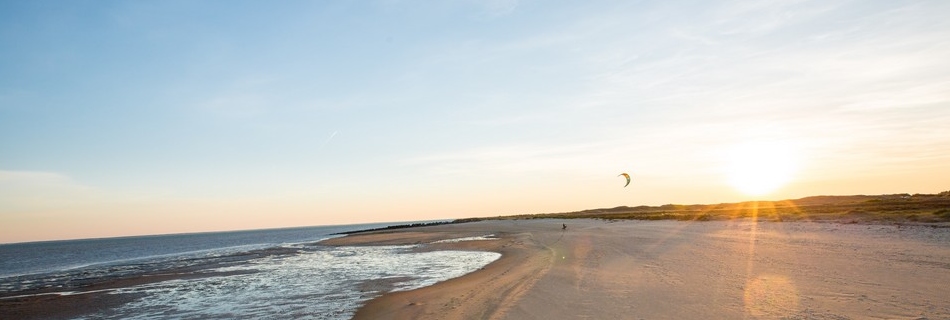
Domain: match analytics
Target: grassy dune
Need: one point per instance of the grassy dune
(891, 208)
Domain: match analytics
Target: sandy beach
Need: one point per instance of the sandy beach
(738, 269)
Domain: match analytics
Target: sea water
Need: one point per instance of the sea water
(280, 273)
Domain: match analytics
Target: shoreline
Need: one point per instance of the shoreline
(477, 295)
(88, 299)
(678, 269)
(99, 295)
(599, 269)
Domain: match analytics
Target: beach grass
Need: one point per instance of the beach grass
(890, 208)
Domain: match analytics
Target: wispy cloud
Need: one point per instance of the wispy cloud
(324, 145)
(33, 190)
(682, 91)
(243, 97)
(755, 18)
(500, 7)
(8, 177)
(237, 105)
(507, 160)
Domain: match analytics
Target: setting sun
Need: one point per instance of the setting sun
(760, 167)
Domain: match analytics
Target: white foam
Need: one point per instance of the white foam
(323, 284)
(478, 238)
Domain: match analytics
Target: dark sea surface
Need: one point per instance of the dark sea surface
(51, 256)
(256, 273)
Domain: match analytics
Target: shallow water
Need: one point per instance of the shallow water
(252, 279)
(325, 283)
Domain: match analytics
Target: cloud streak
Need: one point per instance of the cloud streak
(26, 191)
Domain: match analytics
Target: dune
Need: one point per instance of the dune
(679, 270)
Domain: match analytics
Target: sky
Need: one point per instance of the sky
(146, 117)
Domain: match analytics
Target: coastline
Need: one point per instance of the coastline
(674, 269)
(87, 299)
(599, 269)
(224, 279)
(481, 294)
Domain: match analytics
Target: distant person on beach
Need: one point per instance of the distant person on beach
(563, 226)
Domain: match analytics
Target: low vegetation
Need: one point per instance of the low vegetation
(891, 208)
(399, 226)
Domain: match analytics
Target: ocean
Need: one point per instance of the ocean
(273, 273)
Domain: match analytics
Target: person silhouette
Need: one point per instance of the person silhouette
(563, 226)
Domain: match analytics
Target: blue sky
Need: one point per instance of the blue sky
(182, 116)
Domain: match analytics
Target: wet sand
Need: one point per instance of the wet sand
(680, 270)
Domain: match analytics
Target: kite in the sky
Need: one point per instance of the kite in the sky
(625, 175)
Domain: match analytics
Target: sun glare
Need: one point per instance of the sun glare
(760, 167)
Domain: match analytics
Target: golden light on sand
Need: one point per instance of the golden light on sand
(770, 296)
(760, 167)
